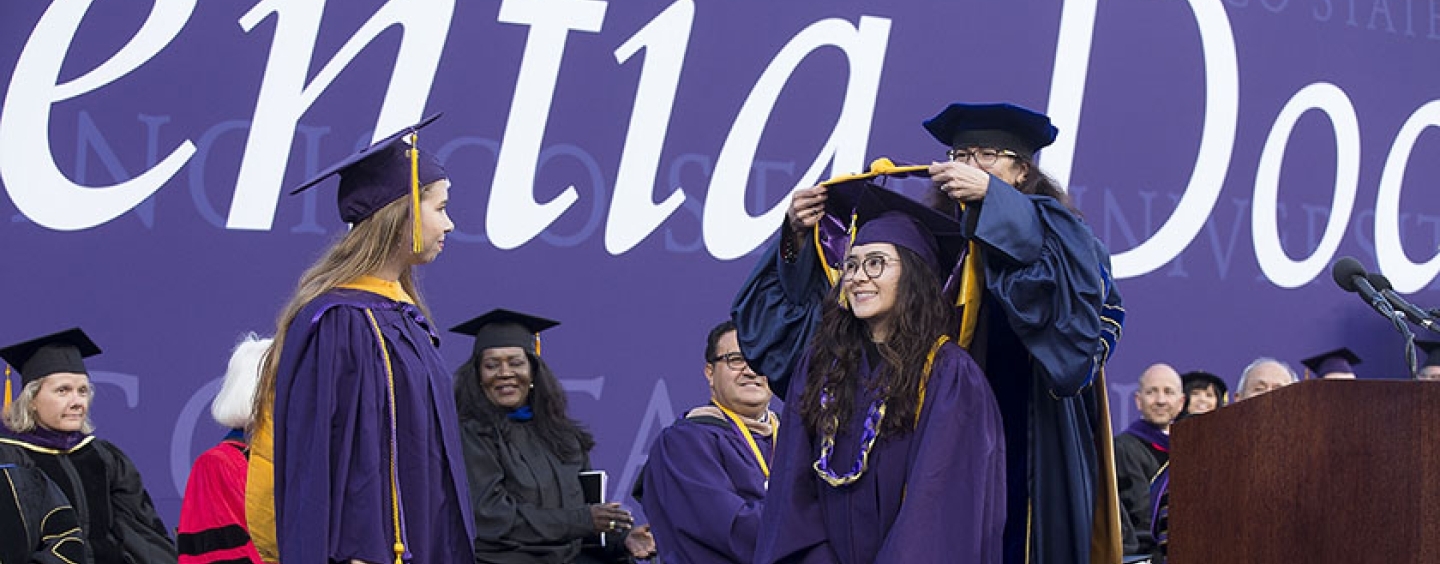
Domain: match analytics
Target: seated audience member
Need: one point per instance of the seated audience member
(1338, 364)
(706, 477)
(38, 523)
(48, 427)
(524, 455)
(212, 514)
(1142, 449)
(1262, 376)
(1204, 392)
(1430, 363)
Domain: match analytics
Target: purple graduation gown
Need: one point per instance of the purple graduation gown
(333, 436)
(936, 494)
(704, 492)
(1050, 318)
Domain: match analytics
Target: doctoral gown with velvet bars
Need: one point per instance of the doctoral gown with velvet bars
(39, 525)
(333, 435)
(1048, 321)
(704, 492)
(212, 514)
(935, 494)
(113, 508)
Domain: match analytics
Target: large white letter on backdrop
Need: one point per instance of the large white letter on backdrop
(1406, 276)
(729, 231)
(35, 183)
(284, 95)
(514, 217)
(633, 212)
(1264, 227)
(1222, 100)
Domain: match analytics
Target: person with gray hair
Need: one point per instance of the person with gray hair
(212, 514)
(1263, 375)
(48, 427)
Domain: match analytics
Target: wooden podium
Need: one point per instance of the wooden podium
(1342, 471)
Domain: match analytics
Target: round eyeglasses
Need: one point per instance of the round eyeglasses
(873, 265)
(734, 360)
(981, 157)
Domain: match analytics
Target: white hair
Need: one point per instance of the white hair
(231, 407)
(1245, 374)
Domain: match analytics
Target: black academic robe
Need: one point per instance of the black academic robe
(528, 504)
(1048, 321)
(38, 523)
(1140, 452)
(110, 501)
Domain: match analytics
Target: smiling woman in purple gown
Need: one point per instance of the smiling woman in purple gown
(897, 454)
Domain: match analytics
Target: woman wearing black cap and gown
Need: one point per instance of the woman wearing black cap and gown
(48, 427)
(353, 408)
(524, 454)
(1044, 327)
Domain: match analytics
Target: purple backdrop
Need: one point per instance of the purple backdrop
(1228, 152)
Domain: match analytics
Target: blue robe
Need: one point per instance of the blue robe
(932, 495)
(1049, 319)
(704, 492)
(333, 435)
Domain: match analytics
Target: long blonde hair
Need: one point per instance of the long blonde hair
(363, 250)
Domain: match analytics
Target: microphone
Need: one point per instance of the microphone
(1414, 314)
(1350, 276)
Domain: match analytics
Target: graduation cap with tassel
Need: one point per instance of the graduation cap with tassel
(37, 358)
(387, 170)
(859, 208)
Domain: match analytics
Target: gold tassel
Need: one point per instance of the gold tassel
(415, 236)
(537, 344)
(7, 387)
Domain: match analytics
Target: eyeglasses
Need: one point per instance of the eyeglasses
(734, 360)
(873, 265)
(981, 157)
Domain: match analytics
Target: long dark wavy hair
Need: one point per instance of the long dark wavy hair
(567, 438)
(920, 315)
(1037, 182)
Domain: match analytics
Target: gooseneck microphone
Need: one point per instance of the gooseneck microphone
(1350, 276)
(1414, 314)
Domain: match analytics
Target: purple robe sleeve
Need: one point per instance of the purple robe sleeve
(954, 508)
(792, 525)
(332, 482)
(692, 478)
(1048, 273)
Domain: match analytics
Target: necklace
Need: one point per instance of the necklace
(873, 416)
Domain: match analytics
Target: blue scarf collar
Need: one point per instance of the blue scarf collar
(523, 413)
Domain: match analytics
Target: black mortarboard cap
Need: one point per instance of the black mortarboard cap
(1432, 353)
(380, 174)
(879, 214)
(1338, 360)
(1001, 126)
(1197, 379)
(56, 352)
(505, 328)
